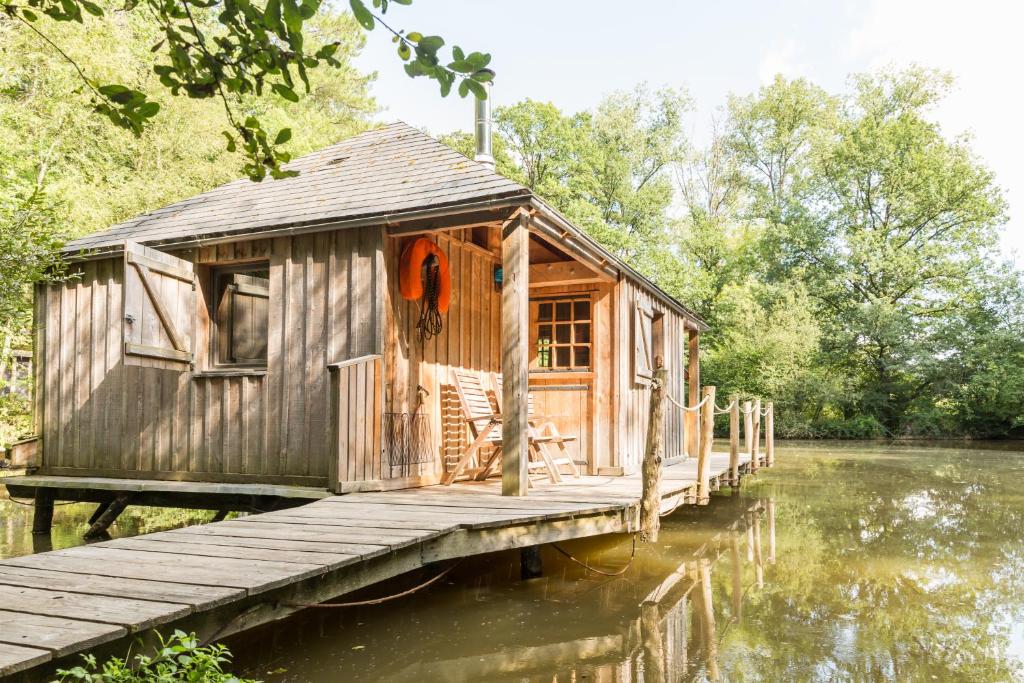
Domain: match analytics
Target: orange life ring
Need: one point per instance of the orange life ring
(410, 273)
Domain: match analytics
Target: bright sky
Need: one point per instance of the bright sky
(572, 52)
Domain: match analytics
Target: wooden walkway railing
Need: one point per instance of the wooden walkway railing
(706, 411)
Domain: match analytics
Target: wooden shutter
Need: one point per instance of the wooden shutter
(643, 357)
(159, 308)
(250, 296)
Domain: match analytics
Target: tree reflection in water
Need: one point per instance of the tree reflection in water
(846, 562)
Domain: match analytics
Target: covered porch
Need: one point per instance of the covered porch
(543, 312)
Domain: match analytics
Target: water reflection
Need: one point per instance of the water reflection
(70, 521)
(845, 562)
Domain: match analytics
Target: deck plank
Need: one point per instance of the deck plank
(59, 635)
(15, 658)
(199, 597)
(133, 614)
(184, 547)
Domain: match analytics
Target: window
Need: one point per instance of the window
(241, 302)
(562, 331)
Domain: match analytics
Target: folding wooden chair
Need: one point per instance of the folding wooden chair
(485, 429)
(540, 424)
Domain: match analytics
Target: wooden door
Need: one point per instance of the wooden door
(568, 406)
(159, 308)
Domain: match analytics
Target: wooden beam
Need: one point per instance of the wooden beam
(562, 273)
(693, 390)
(515, 317)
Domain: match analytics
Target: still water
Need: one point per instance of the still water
(845, 562)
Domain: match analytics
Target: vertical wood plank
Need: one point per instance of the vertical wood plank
(693, 384)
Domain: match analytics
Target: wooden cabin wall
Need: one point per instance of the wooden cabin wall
(470, 339)
(101, 416)
(632, 399)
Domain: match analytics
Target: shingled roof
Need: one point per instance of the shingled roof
(381, 172)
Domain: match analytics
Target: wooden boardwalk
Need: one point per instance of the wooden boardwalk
(225, 577)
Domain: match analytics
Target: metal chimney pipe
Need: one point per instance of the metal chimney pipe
(484, 154)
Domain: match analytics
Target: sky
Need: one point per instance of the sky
(574, 52)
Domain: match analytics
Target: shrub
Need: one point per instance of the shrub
(179, 658)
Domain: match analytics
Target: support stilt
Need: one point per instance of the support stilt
(530, 563)
(42, 521)
(98, 529)
(100, 509)
(219, 517)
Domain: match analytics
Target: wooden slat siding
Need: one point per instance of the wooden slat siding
(276, 349)
(356, 388)
(66, 339)
(100, 330)
(50, 418)
(634, 399)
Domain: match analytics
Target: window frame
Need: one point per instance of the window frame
(217, 276)
(536, 352)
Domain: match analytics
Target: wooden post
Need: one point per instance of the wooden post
(650, 499)
(770, 505)
(748, 432)
(707, 433)
(755, 455)
(737, 576)
(653, 641)
(42, 520)
(734, 441)
(531, 566)
(693, 395)
(98, 529)
(769, 434)
(758, 556)
(707, 608)
(515, 317)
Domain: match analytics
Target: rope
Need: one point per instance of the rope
(375, 601)
(430, 322)
(583, 564)
(691, 409)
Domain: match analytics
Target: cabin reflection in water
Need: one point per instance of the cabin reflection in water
(661, 620)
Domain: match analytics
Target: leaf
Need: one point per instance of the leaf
(362, 14)
(284, 91)
(113, 90)
(283, 136)
(148, 110)
(403, 51)
(462, 66)
(292, 16)
(29, 14)
(272, 17)
(475, 88)
(431, 43)
(231, 140)
(463, 88)
(92, 8)
(415, 36)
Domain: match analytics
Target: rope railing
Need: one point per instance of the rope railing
(745, 415)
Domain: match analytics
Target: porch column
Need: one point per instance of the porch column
(515, 313)
(693, 396)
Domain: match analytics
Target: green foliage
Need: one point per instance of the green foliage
(64, 173)
(179, 658)
(840, 246)
(232, 51)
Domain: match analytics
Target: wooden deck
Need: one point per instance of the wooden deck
(225, 577)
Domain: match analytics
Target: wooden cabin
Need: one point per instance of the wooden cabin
(255, 334)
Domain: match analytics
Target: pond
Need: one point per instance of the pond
(847, 561)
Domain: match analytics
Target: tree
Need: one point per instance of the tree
(63, 174)
(232, 51)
